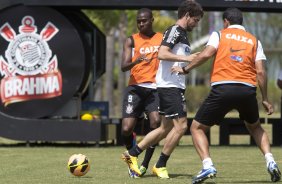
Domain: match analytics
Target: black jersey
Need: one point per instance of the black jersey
(175, 37)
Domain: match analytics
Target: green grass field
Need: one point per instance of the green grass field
(36, 165)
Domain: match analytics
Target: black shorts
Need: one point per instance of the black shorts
(172, 102)
(139, 99)
(226, 97)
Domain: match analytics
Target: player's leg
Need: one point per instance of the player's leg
(249, 112)
(151, 138)
(211, 111)
(156, 135)
(173, 137)
(262, 141)
(201, 144)
(171, 141)
(132, 108)
(200, 140)
(154, 118)
(151, 106)
(128, 125)
(173, 105)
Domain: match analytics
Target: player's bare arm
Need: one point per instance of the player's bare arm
(262, 82)
(201, 58)
(126, 63)
(165, 53)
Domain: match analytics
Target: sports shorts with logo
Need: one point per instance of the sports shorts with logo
(172, 102)
(226, 97)
(139, 99)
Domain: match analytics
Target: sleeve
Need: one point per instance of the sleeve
(260, 54)
(171, 37)
(214, 39)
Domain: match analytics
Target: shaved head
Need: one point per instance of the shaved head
(145, 10)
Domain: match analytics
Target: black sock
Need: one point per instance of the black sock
(148, 155)
(128, 141)
(162, 160)
(135, 151)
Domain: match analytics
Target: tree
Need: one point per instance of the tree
(107, 22)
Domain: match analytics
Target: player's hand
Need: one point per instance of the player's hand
(176, 69)
(268, 107)
(150, 57)
(192, 56)
(141, 58)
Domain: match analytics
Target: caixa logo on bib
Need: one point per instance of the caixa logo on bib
(29, 69)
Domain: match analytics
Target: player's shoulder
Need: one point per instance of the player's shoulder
(159, 35)
(175, 30)
(134, 35)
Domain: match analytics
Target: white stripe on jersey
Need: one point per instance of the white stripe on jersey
(171, 34)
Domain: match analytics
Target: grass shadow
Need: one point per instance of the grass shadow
(172, 176)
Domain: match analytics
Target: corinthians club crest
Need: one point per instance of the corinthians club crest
(29, 69)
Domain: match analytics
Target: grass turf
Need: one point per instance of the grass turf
(36, 165)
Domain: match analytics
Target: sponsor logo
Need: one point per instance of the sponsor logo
(148, 50)
(29, 70)
(236, 58)
(187, 50)
(239, 38)
(129, 109)
(236, 50)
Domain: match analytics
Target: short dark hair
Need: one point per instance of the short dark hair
(233, 15)
(145, 10)
(191, 7)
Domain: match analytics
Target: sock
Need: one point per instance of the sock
(268, 158)
(128, 141)
(135, 151)
(207, 163)
(162, 160)
(148, 155)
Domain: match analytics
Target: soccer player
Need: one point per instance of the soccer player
(238, 67)
(174, 51)
(140, 57)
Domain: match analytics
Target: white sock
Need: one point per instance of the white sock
(268, 158)
(207, 163)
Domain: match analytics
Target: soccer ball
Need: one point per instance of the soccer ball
(78, 164)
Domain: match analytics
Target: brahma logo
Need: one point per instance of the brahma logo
(29, 71)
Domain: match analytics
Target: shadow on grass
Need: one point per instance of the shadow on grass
(242, 182)
(172, 176)
(233, 181)
(83, 177)
(55, 144)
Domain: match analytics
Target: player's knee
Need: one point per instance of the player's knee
(196, 126)
(155, 123)
(182, 128)
(253, 127)
(126, 130)
(192, 129)
(163, 133)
